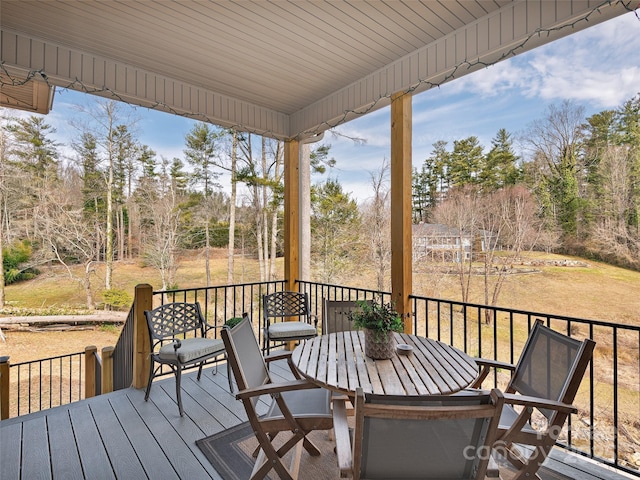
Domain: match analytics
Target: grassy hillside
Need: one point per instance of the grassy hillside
(597, 291)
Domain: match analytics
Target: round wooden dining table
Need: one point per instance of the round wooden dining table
(337, 361)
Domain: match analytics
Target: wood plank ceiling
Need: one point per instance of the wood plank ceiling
(279, 68)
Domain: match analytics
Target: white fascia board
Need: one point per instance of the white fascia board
(68, 68)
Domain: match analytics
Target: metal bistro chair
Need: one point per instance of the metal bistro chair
(411, 437)
(297, 407)
(284, 306)
(168, 325)
(335, 315)
(545, 379)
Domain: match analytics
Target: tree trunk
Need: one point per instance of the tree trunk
(232, 209)
(121, 230)
(87, 285)
(207, 252)
(109, 239)
(1, 250)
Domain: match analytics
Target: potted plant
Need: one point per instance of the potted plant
(233, 321)
(379, 321)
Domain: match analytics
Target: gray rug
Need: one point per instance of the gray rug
(230, 454)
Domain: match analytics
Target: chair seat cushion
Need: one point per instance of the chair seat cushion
(191, 349)
(291, 330)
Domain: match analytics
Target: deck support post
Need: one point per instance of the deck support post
(141, 345)
(4, 387)
(401, 234)
(291, 212)
(107, 370)
(90, 363)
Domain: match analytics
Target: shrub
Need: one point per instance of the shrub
(14, 259)
(117, 299)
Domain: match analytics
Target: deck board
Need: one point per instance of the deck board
(119, 435)
(148, 449)
(65, 461)
(124, 461)
(88, 441)
(35, 441)
(10, 445)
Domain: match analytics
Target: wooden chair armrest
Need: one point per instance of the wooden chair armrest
(487, 365)
(343, 440)
(271, 388)
(495, 364)
(278, 355)
(535, 402)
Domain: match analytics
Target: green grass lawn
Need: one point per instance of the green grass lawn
(598, 291)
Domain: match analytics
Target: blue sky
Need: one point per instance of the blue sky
(597, 68)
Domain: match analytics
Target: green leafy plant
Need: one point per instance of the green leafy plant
(232, 322)
(377, 316)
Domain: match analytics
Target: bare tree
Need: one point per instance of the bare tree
(263, 177)
(69, 238)
(232, 207)
(508, 224)
(4, 173)
(202, 149)
(611, 232)
(376, 220)
(110, 124)
(162, 225)
(554, 144)
(461, 212)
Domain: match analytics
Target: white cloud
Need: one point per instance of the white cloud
(599, 65)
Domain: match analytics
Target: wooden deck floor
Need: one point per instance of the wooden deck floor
(120, 436)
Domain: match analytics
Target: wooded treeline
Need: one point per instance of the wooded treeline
(583, 174)
(108, 197)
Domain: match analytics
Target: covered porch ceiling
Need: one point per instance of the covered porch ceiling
(284, 69)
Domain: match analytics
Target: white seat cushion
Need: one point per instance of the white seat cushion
(191, 349)
(291, 329)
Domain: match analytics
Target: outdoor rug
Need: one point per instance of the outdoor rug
(230, 454)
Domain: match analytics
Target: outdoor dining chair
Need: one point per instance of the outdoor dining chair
(335, 315)
(178, 339)
(411, 437)
(287, 317)
(297, 407)
(545, 379)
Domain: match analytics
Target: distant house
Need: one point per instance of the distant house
(439, 242)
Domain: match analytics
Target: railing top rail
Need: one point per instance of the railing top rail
(195, 289)
(342, 287)
(38, 360)
(601, 323)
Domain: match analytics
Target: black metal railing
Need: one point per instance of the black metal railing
(123, 355)
(45, 383)
(606, 427)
